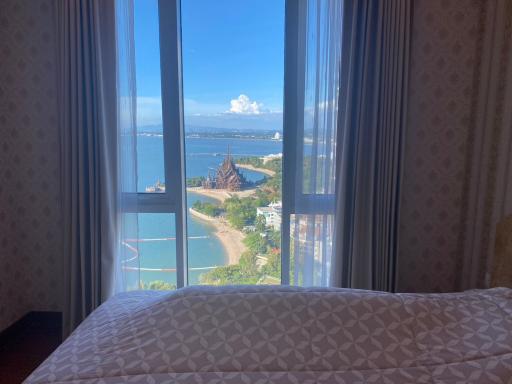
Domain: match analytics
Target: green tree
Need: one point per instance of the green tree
(256, 242)
(158, 285)
(260, 223)
(207, 208)
(240, 212)
(195, 181)
(273, 265)
(229, 274)
(247, 264)
(252, 160)
(261, 198)
(274, 238)
(274, 165)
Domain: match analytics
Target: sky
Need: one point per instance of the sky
(233, 58)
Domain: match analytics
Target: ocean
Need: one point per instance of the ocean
(157, 247)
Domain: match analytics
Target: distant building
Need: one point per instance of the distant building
(209, 182)
(228, 177)
(272, 214)
(158, 187)
(314, 238)
(249, 228)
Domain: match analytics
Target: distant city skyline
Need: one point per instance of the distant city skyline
(233, 58)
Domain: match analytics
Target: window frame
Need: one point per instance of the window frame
(173, 199)
(293, 122)
(293, 133)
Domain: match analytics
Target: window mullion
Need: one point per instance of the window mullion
(293, 120)
(173, 126)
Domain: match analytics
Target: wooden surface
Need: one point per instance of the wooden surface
(27, 343)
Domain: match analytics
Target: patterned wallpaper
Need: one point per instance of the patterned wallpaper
(30, 246)
(445, 53)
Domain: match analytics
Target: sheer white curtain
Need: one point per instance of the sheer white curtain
(345, 119)
(128, 261)
(312, 219)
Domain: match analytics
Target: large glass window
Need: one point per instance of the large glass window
(227, 194)
(313, 59)
(153, 254)
(233, 58)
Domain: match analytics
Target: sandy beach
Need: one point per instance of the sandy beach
(230, 238)
(221, 194)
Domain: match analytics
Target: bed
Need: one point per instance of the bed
(289, 335)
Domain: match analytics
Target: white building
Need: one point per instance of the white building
(272, 215)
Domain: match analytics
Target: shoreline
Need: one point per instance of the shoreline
(250, 167)
(231, 239)
(193, 136)
(221, 194)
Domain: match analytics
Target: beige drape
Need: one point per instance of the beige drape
(372, 110)
(87, 107)
(489, 184)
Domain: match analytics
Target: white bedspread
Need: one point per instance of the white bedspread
(289, 335)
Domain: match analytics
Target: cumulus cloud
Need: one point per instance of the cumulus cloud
(243, 105)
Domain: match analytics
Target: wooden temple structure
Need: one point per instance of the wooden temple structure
(227, 177)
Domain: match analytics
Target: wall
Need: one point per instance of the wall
(30, 244)
(445, 52)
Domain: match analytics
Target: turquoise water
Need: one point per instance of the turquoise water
(202, 154)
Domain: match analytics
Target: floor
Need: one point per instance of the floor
(27, 344)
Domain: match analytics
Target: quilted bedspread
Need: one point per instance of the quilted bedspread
(289, 335)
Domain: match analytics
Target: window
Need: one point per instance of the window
(233, 131)
(226, 192)
(313, 59)
(154, 251)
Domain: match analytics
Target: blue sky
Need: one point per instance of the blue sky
(233, 57)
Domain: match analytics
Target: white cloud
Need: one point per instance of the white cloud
(244, 106)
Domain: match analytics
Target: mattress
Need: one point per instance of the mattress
(289, 335)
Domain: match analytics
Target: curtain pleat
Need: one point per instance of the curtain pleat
(311, 227)
(371, 120)
(490, 168)
(127, 265)
(87, 108)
